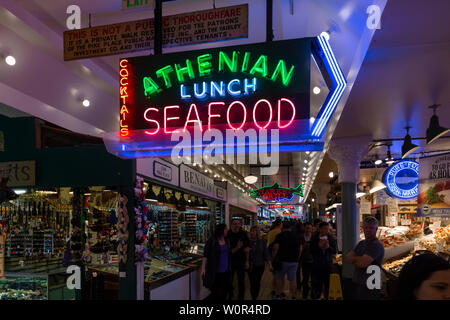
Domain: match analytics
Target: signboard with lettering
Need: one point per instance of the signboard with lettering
(200, 183)
(402, 179)
(434, 186)
(137, 4)
(178, 30)
(158, 169)
(250, 90)
(21, 173)
(277, 193)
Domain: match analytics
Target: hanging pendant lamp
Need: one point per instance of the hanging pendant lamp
(435, 131)
(377, 185)
(408, 147)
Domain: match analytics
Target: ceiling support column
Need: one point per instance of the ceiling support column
(348, 153)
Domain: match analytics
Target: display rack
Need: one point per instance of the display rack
(168, 228)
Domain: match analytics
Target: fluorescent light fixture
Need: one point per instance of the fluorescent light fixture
(10, 60)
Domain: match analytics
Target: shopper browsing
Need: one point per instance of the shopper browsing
(287, 249)
(239, 256)
(216, 264)
(323, 247)
(425, 277)
(367, 252)
(259, 256)
(306, 259)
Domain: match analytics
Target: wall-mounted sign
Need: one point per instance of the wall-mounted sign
(162, 171)
(138, 4)
(257, 86)
(178, 30)
(200, 183)
(277, 193)
(21, 173)
(158, 169)
(434, 186)
(402, 179)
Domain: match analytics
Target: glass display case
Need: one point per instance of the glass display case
(22, 286)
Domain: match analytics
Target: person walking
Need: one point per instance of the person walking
(424, 277)
(323, 247)
(216, 264)
(299, 230)
(369, 251)
(306, 259)
(239, 256)
(287, 249)
(259, 256)
(275, 230)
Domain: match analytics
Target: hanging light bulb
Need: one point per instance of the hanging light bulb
(377, 160)
(408, 147)
(435, 131)
(389, 159)
(360, 192)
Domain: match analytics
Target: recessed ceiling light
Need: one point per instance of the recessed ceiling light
(316, 90)
(10, 60)
(86, 103)
(326, 35)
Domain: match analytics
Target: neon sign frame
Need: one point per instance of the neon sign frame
(390, 179)
(284, 194)
(321, 53)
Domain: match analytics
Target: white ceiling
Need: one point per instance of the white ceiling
(45, 86)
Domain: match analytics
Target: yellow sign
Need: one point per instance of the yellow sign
(137, 4)
(335, 292)
(177, 30)
(21, 173)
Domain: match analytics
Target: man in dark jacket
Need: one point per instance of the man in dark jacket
(323, 247)
(240, 255)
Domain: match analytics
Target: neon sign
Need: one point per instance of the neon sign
(257, 86)
(402, 179)
(123, 97)
(277, 193)
(281, 206)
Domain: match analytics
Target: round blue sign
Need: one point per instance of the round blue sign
(402, 179)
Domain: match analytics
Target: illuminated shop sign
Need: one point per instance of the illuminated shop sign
(258, 86)
(277, 193)
(281, 206)
(402, 179)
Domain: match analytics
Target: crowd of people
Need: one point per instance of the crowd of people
(302, 254)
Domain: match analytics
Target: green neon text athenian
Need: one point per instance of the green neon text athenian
(245, 62)
(225, 59)
(285, 76)
(181, 71)
(260, 66)
(204, 64)
(150, 87)
(164, 73)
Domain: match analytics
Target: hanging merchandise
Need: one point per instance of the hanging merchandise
(123, 229)
(141, 211)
